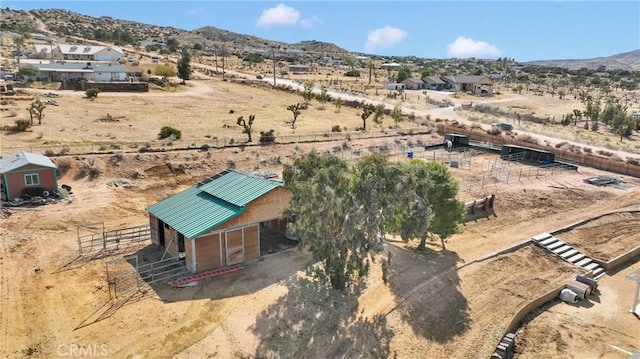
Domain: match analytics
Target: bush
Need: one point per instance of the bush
(168, 131)
(63, 162)
(336, 128)
(352, 73)
(92, 92)
(267, 136)
(22, 125)
(91, 167)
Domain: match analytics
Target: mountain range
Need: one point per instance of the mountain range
(63, 22)
(624, 61)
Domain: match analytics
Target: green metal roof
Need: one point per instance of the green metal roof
(211, 203)
(238, 188)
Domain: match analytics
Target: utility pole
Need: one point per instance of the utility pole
(273, 56)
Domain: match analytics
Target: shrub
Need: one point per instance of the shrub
(63, 162)
(91, 167)
(352, 73)
(267, 136)
(528, 139)
(605, 153)
(336, 128)
(22, 125)
(168, 131)
(92, 92)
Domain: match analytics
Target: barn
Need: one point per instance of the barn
(30, 173)
(218, 222)
(519, 153)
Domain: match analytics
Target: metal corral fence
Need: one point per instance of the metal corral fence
(564, 156)
(105, 241)
(214, 143)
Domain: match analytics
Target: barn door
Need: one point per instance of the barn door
(234, 246)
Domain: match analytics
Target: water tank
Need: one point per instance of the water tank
(569, 296)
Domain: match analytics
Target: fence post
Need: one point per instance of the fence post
(137, 273)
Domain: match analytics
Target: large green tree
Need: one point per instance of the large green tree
(338, 213)
(446, 210)
(403, 74)
(164, 70)
(426, 204)
(184, 66)
(28, 70)
(615, 115)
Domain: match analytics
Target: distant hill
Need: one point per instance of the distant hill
(63, 22)
(624, 61)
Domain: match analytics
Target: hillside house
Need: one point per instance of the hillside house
(414, 84)
(60, 71)
(26, 172)
(433, 83)
(79, 52)
(218, 222)
(300, 69)
(393, 86)
(390, 66)
(477, 85)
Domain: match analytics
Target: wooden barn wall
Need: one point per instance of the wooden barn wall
(235, 250)
(188, 252)
(251, 242)
(153, 224)
(209, 254)
(264, 208)
(226, 247)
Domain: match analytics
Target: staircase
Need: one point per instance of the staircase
(568, 253)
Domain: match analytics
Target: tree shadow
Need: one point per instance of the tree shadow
(314, 321)
(255, 275)
(427, 289)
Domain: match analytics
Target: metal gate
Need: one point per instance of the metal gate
(102, 240)
(122, 277)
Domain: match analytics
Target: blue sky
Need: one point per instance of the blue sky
(524, 30)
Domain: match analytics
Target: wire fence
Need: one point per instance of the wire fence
(109, 147)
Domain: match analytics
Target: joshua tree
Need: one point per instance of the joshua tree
(246, 125)
(295, 110)
(367, 111)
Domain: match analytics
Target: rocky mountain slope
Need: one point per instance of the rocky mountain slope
(624, 61)
(64, 23)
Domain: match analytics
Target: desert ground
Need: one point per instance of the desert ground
(454, 303)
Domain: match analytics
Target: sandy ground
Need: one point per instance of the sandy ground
(438, 303)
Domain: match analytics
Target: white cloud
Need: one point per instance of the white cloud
(195, 12)
(384, 38)
(464, 47)
(280, 15)
(310, 23)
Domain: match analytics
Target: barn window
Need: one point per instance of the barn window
(31, 179)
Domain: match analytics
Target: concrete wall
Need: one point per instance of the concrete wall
(122, 86)
(621, 259)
